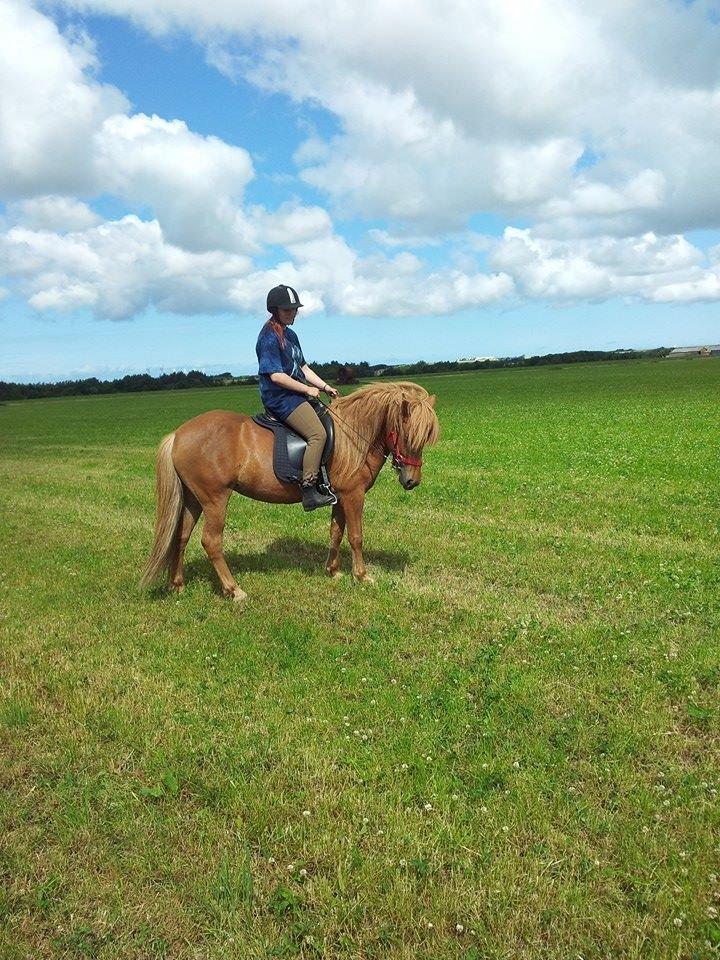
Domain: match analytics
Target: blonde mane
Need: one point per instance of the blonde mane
(366, 416)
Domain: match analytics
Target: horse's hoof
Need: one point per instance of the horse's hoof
(335, 574)
(365, 578)
(238, 595)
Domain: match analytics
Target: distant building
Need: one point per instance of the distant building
(475, 359)
(683, 353)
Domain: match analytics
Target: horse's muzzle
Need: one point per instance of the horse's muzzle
(407, 482)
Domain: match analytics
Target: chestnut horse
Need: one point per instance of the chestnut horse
(205, 459)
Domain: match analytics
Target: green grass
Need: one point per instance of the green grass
(515, 730)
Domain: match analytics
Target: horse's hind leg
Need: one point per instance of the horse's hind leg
(212, 540)
(189, 517)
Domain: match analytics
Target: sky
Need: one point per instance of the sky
(436, 180)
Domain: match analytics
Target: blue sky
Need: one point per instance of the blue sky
(160, 175)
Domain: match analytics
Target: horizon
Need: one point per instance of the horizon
(216, 369)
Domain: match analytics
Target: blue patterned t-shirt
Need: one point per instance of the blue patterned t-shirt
(273, 358)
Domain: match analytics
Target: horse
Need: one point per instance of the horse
(207, 458)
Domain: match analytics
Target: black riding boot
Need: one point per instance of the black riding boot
(315, 495)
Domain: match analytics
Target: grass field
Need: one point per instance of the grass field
(506, 748)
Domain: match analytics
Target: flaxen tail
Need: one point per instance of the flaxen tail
(169, 506)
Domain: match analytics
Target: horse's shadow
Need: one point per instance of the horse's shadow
(289, 553)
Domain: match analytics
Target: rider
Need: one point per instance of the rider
(286, 383)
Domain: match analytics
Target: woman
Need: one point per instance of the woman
(286, 383)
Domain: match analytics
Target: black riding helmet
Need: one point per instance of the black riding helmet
(283, 298)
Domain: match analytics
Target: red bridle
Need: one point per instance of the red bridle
(398, 457)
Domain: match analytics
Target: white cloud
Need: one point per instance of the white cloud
(192, 183)
(656, 268)
(62, 133)
(291, 222)
(117, 269)
(447, 109)
(53, 213)
(49, 106)
(706, 287)
(332, 276)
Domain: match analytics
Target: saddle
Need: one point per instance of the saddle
(289, 446)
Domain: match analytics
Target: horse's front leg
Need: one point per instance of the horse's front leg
(353, 505)
(337, 529)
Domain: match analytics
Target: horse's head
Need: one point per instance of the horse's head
(411, 425)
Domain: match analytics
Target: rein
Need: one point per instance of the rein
(392, 441)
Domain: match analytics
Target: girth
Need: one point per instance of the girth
(289, 447)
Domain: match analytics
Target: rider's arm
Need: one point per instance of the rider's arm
(313, 378)
(290, 383)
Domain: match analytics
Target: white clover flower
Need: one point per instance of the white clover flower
(291, 867)
(677, 921)
(404, 766)
(459, 928)
(303, 872)
(306, 813)
(393, 680)
(272, 860)
(402, 863)
(365, 820)
(428, 806)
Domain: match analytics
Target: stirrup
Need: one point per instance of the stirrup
(316, 494)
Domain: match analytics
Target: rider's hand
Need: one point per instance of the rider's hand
(312, 392)
(331, 391)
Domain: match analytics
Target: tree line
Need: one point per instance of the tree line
(334, 372)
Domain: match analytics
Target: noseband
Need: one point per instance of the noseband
(400, 459)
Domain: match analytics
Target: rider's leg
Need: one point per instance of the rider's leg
(307, 423)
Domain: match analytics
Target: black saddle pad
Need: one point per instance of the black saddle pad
(289, 446)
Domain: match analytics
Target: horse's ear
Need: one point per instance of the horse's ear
(433, 398)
